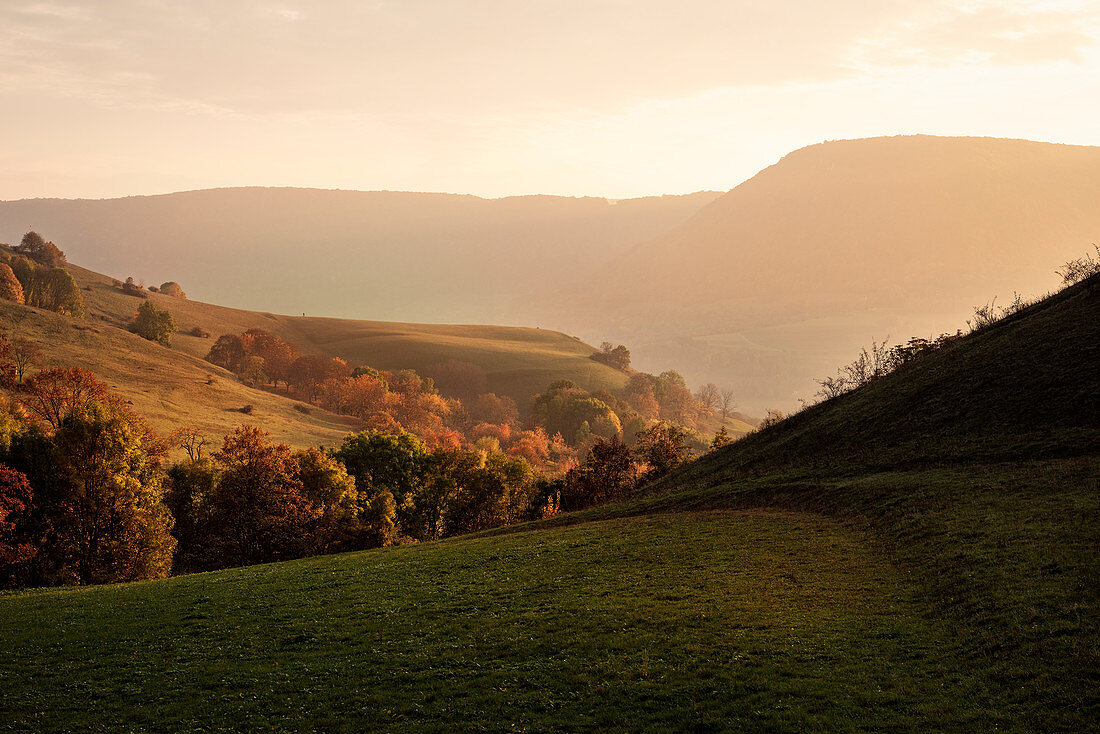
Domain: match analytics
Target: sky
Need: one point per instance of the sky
(614, 98)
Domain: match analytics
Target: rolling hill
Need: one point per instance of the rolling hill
(918, 554)
(393, 256)
(790, 273)
(175, 386)
(762, 289)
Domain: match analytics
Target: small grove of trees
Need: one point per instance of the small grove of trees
(612, 470)
(34, 246)
(254, 500)
(48, 287)
(93, 512)
(154, 324)
(256, 356)
(613, 356)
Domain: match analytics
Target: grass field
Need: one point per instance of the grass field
(701, 620)
(168, 387)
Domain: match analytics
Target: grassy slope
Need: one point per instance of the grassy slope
(169, 386)
(705, 620)
(978, 470)
(519, 361)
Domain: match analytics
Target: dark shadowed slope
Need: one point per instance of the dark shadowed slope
(977, 468)
(1027, 386)
(385, 255)
(791, 272)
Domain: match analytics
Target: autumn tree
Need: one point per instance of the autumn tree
(228, 352)
(310, 371)
(34, 246)
(721, 438)
(258, 512)
(52, 394)
(16, 545)
(10, 287)
(331, 491)
(172, 288)
(492, 408)
(663, 446)
(384, 463)
(727, 403)
(607, 473)
(277, 355)
(154, 324)
(191, 440)
(48, 287)
(676, 401)
(709, 397)
(110, 523)
(488, 495)
(640, 396)
(25, 355)
(189, 487)
(567, 409)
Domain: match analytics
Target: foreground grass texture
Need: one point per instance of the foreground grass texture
(700, 620)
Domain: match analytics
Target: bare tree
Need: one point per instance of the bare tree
(708, 397)
(191, 440)
(728, 403)
(25, 355)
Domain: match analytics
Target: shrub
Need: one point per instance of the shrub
(773, 417)
(172, 288)
(304, 409)
(153, 324)
(1077, 270)
(247, 410)
(131, 288)
(199, 332)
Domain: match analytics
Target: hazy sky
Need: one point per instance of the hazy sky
(601, 97)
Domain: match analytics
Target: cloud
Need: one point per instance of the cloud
(1002, 33)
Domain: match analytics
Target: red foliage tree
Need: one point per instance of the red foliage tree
(258, 511)
(52, 394)
(16, 500)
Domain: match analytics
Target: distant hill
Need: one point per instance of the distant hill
(175, 386)
(384, 255)
(787, 275)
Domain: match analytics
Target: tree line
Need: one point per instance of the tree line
(88, 493)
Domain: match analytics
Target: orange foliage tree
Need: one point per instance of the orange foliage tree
(258, 511)
(52, 394)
